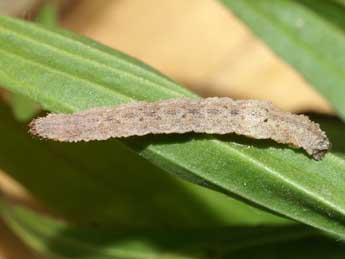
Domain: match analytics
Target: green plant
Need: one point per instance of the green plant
(109, 185)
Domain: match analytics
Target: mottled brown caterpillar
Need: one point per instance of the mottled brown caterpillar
(252, 118)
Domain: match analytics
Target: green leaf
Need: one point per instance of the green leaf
(23, 107)
(48, 14)
(67, 73)
(105, 183)
(55, 238)
(308, 34)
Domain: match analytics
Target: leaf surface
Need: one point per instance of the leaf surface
(67, 73)
(307, 34)
(55, 238)
(23, 107)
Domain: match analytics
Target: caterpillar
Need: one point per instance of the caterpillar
(216, 115)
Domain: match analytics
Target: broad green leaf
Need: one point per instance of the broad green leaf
(67, 73)
(308, 34)
(55, 238)
(23, 107)
(105, 183)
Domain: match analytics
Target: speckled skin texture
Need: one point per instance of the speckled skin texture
(216, 115)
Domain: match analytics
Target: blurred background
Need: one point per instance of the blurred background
(198, 43)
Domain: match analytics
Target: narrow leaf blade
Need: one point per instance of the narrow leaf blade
(24, 108)
(67, 73)
(55, 238)
(307, 34)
